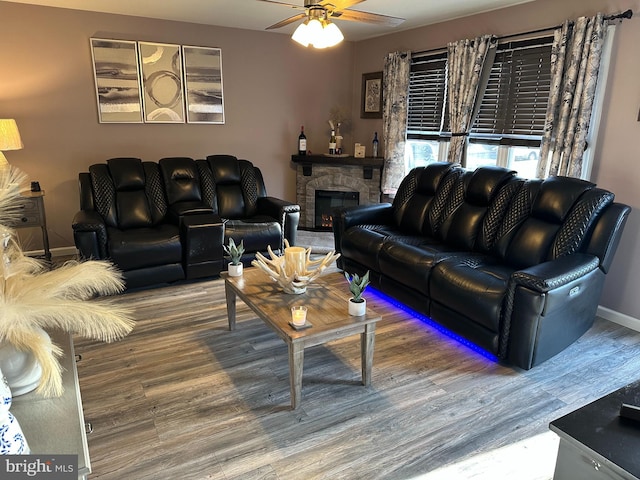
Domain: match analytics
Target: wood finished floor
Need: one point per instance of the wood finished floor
(183, 398)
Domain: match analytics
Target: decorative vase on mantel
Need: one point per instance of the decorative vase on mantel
(12, 440)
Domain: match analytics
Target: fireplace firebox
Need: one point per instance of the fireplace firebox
(326, 201)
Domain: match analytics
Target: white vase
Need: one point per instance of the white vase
(357, 309)
(234, 270)
(20, 368)
(12, 440)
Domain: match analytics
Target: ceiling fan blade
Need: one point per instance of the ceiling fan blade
(357, 16)
(287, 21)
(339, 4)
(290, 5)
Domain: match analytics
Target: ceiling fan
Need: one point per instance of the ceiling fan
(333, 9)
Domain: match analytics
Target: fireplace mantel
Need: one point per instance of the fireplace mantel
(367, 163)
(335, 160)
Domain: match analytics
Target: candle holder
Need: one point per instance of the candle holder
(294, 270)
(299, 315)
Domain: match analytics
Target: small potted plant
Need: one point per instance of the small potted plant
(234, 254)
(357, 285)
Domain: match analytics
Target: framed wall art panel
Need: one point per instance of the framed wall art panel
(115, 70)
(162, 92)
(203, 84)
(371, 95)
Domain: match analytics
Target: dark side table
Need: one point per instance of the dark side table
(596, 443)
(33, 215)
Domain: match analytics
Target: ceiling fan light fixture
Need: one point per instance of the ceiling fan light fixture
(319, 33)
(315, 32)
(301, 35)
(332, 34)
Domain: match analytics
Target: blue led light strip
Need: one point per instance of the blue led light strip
(435, 325)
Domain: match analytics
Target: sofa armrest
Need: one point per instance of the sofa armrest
(548, 307)
(548, 276)
(178, 210)
(286, 213)
(347, 217)
(90, 234)
(376, 214)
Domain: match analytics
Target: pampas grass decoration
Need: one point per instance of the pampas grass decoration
(33, 298)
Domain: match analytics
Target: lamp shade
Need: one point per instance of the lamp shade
(9, 135)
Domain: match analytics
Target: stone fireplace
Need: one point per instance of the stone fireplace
(350, 177)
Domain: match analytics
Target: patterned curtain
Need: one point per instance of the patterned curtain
(465, 63)
(575, 62)
(394, 117)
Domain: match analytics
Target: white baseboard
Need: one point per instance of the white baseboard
(619, 318)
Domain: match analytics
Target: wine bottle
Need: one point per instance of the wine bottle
(302, 142)
(332, 143)
(375, 145)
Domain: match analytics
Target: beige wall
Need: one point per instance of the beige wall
(272, 86)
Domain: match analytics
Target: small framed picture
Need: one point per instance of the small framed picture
(371, 95)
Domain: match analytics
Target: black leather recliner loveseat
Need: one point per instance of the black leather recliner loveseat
(167, 221)
(515, 266)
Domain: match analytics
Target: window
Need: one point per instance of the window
(510, 121)
(427, 108)
(427, 82)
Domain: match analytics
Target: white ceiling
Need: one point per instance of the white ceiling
(257, 15)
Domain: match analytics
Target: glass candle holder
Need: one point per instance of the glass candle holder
(299, 315)
(294, 260)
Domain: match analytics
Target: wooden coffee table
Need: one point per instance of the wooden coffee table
(326, 300)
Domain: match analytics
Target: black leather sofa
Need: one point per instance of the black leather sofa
(515, 266)
(167, 221)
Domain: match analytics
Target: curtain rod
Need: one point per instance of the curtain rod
(626, 14)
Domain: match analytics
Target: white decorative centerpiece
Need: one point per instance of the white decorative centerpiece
(294, 270)
(32, 297)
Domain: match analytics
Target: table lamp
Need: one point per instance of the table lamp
(9, 139)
